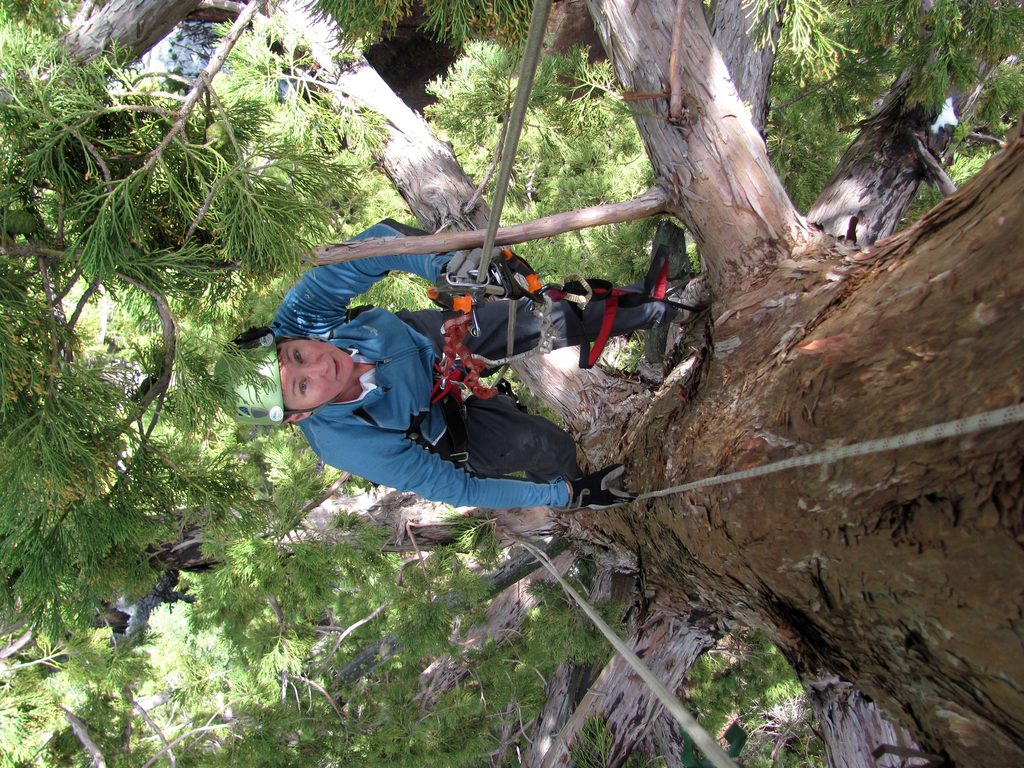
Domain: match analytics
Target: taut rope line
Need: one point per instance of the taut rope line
(527, 69)
(693, 729)
(989, 419)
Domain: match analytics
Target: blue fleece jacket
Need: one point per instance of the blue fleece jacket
(368, 437)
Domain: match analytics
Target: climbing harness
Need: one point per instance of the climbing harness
(987, 420)
(458, 368)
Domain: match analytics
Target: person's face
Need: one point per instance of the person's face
(313, 373)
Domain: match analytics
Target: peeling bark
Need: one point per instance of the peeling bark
(668, 646)
(897, 577)
(134, 26)
(853, 728)
(714, 160)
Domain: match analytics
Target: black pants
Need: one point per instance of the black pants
(503, 440)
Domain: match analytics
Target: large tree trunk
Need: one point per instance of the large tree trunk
(899, 571)
(897, 580)
(129, 26)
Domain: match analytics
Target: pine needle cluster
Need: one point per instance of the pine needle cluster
(128, 227)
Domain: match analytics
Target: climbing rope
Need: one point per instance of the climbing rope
(527, 69)
(987, 420)
(693, 729)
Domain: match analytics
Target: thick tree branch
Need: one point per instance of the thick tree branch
(713, 160)
(82, 734)
(133, 26)
(648, 204)
(12, 648)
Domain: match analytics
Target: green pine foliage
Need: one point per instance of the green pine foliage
(106, 450)
(450, 20)
(746, 680)
(115, 233)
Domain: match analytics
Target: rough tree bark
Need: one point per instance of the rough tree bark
(132, 26)
(879, 174)
(853, 728)
(903, 575)
(668, 646)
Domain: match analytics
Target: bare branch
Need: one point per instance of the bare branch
(167, 324)
(986, 138)
(651, 202)
(320, 689)
(470, 205)
(217, 10)
(69, 285)
(82, 734)
(353, 627)
(157, 730)
(17, 645)
(203, 81)
(193, 732)
(275, 606)
(93, 287)
(104, 170)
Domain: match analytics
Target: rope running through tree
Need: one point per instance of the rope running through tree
(716, 755)
(527, 69)
(987, 420)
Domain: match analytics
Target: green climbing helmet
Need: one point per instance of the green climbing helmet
(262, 402)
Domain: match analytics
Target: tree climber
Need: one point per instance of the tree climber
(363, 385)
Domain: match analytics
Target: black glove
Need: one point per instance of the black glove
(599, 490)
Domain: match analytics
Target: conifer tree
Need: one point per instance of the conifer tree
(145, 219)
